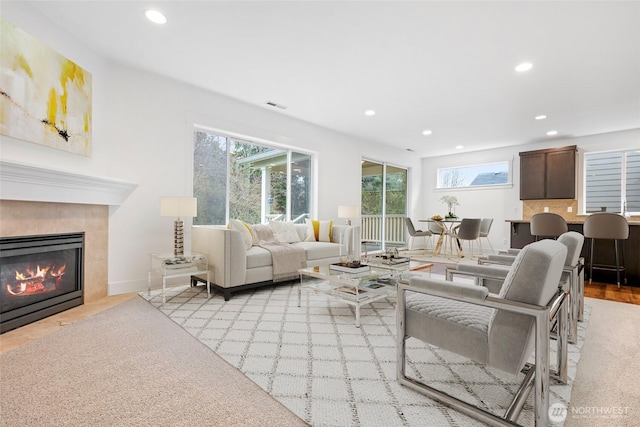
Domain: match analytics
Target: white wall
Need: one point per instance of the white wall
(504, 203)
(142, 133)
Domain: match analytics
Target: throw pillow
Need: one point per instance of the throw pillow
(262, 232)
(311, 234)
(284, 232)
(325, 230)
(322, 230)
(245, 231)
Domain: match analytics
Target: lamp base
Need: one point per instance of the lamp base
(178, 237)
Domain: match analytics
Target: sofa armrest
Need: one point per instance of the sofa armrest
(226, 251)
(351, 236)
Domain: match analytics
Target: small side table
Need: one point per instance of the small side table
(169, 266)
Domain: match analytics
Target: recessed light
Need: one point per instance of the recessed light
(459, 147)
(155, 16)
(427, 132)
(552, 132)
(369, 113)
(525, 66)
(541, 117)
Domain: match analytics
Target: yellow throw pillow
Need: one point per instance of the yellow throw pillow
(322, 230)
(245, 231)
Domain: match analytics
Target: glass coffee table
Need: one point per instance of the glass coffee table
(354, 289)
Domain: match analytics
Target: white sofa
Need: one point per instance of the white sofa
(233, 267)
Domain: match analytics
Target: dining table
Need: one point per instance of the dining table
(446, 225)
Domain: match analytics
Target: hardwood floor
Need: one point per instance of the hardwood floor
(609, 292)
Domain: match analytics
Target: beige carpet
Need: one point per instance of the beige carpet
(606, 391)
(123, 373)
(116, 369)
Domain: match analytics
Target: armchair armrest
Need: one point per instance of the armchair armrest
(503, 259)
(490, 276)
(479, 296)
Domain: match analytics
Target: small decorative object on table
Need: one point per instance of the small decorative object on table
(451, 202)
(350, 267)
(391, 257)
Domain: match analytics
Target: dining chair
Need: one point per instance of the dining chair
(413, 233)
(485, 228)
(469, 229)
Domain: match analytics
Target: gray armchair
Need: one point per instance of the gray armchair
(572, 280)
(500, 330)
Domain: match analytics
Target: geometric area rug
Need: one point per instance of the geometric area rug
(315, 361)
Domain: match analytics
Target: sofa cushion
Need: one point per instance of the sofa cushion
(258, 257)
(284, 231)
(319, 250)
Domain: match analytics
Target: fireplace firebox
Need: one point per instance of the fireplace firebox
(39, 276)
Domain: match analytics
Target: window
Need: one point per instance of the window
(612, 181)
(474, 175)
(236, 179)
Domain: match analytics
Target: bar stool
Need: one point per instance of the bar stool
(610, 226)
(548, 224)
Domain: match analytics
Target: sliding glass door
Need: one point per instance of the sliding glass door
(384, 205)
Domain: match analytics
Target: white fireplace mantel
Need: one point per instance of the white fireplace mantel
(35, 183)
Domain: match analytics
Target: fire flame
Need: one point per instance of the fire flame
(35, 281)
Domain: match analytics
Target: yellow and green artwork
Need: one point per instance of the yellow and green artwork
(45, 97)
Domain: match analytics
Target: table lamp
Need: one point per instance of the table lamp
(179, 207)
(348, 212)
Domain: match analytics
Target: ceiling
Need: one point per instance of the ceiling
(443, 66)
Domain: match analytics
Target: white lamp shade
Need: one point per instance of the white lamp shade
(348, 211)
(178, 206)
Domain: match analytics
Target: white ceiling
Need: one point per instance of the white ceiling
(446, 66)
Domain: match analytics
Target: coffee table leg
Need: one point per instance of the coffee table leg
(300, 291)
(357, 315)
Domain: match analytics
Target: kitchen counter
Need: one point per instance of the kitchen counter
(569, 221)
(604, 252)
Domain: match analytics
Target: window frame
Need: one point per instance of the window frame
(289, 151)
(508, 184)
(623, 179)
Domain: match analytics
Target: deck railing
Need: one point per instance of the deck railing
(395, 230)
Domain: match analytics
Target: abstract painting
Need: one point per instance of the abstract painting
(45, 97)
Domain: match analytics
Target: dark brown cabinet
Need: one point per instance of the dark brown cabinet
(548, 174)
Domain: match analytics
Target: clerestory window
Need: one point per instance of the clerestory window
(489, 174)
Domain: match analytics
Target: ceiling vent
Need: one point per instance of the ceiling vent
(273, 104)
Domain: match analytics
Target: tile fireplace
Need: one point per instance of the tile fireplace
(40, 275)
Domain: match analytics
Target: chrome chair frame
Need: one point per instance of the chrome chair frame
(536, 376)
